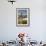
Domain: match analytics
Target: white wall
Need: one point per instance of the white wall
(37, 28)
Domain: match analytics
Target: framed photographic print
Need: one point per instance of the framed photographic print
(22, 17)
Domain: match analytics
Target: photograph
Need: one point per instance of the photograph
(22, 16)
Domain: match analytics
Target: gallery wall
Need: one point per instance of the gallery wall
(37, 28)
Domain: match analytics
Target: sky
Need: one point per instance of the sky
(24, 12)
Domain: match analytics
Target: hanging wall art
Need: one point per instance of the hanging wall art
(22, 17)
